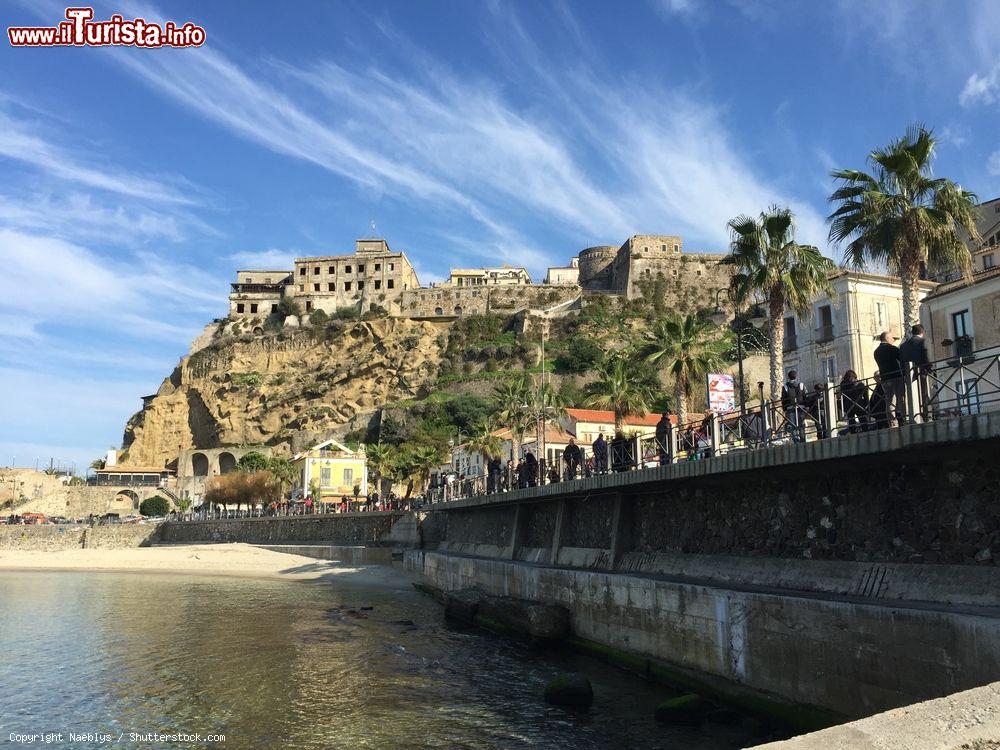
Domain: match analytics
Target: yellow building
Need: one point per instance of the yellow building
(334, 468)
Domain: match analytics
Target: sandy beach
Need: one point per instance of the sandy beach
(243, 560)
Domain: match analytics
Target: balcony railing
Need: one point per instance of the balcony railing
(791, 344)
(256, 288)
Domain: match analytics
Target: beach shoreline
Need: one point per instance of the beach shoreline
(233, 560)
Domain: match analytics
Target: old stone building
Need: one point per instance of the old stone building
(564, 274)
(257, 293)
(373, 276)
(690, 278)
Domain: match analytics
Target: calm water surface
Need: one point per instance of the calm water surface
(294, 665)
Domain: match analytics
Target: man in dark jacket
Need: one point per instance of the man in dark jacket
(572, 456)
(913, 352)
(531, 466)
(793, 395)
(493, 475)
(662, 430)
(887, 359)
(600, 448)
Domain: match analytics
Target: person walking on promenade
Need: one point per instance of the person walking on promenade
(913, 352)
(793, 394)
(531, 466)
(854, 400)
(573, 456)
(600, 449)
(662, 430)
(521, 475)
(877, 415)
(887, 359)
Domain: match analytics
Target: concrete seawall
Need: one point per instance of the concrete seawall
(849, 576)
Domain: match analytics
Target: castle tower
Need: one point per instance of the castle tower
(596, 266)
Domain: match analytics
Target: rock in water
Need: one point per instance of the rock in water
(570, 690)
(688, 710)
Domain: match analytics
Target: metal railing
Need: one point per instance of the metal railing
(954, 386)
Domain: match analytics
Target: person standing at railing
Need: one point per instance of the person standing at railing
(854, 402)
(913, 352)
(793, 395)
(887, 359)
(600, 449)
(619, 452)
(662, 430)
(493, 475)
(531, 468)
(572, 455)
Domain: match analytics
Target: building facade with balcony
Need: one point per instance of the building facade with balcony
(332, 470)
(839, 332)
(256, 294)
(963, 316)
(505, 276)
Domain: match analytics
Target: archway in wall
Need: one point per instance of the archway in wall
(199, 465)
(458, 309)
(438, 311)
(258, 331)
(127, 498)
(227, 463)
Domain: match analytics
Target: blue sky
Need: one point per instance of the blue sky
(136, 181)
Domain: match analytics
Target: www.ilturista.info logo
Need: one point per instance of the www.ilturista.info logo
(80, 31)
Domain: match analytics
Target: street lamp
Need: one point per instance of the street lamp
(720, 316)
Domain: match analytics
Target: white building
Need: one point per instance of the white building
(840, 330)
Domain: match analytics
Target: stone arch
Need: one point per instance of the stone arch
(199, 464)
(438, 311)
(227, 463)
(258, 331)
(458, 309)
(131, 497)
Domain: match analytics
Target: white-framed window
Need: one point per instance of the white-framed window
(828, 368)
(325, 476)
(348, 477)
(881, 316)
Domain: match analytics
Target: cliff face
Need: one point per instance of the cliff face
(284, 390)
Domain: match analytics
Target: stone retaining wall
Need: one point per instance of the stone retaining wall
(52, 538)
(339, 529)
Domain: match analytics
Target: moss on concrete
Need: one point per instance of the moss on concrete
(794, 715)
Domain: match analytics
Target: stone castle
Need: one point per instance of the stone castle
(375, 276)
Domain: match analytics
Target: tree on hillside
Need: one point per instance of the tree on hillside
(510, 399)
(252, 461)
(620, 387)
(688, 349)
(484, 441)
(770, 265)
(901, 216)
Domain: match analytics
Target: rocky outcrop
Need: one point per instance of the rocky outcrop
(284, 389)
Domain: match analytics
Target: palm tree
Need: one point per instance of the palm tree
(284, 473)
(381, 459)
(509, 399)
(620, 387)
(689, 349)
(484, 439)
(422, 459)
(772, 266)
(903, 217)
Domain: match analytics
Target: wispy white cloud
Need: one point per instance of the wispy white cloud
(981, 88)
(19, 142)
(271, 259)
(993, 163)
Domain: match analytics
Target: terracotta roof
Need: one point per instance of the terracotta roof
(608, 417)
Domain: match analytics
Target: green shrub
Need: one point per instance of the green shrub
(318, 317)
(581, 355)
(350, 312)
(154, 506)
(287, 306)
